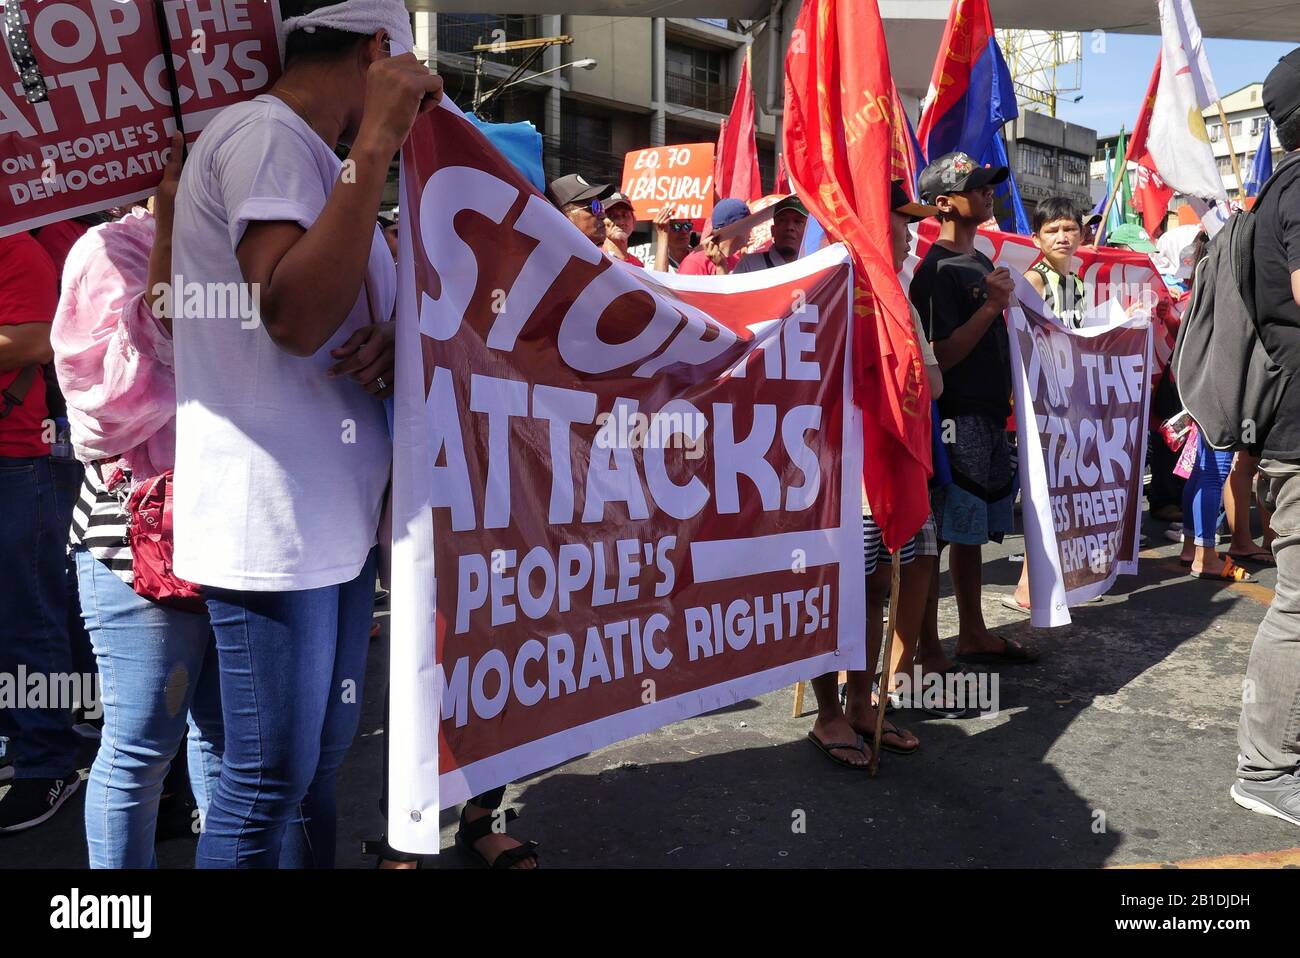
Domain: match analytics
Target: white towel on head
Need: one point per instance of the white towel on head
(359, 16)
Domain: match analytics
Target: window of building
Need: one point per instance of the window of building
(697, 77)
(1074, 169)
(1216, 131)
(1257, 125)
(586, 147)
(1035, 160)
(1234, 128)
(459, 32)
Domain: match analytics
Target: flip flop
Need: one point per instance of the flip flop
(1013, 653)
(829, 748)
(1231, 572)
(894, 730)
(1009, 602)
(1260, 556)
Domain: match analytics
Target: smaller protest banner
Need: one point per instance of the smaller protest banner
(679, 176)
(1081, 400)
(99, 138)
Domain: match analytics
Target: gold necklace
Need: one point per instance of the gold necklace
(294, 103)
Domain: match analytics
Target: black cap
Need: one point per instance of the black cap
(574, 189)
(957, 173)
(1282, 88)
(900, 202)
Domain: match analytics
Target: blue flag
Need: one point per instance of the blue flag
(973, 97)
(1262, 168)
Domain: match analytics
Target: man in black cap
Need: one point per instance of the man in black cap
(961, 296)
(582, 203)
(789, 220)
(1268, 736)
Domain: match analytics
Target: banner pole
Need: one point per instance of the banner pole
(887, 674)
(1232, 152)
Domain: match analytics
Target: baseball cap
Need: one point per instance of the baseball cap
(791, 202)
(957, 173)
(1282, 88)
(728, 211)
(900, 202)
(615, 198)
(1132, 236)
(574, 189)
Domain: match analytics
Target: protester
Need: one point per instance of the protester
(1133, 237)
(1270, 723)
(279, 416)
(1090, 229)
(620, 224)
(788, 224)
(677, 240)
(583, 204)
(34, 602)
(1237, 492)
(718, 256)
(158, 667)
(1058, 232)
(841, 732)
(961, 296)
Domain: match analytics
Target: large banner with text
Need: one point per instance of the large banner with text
(621, 498)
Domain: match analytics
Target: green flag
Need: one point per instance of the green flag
(1122, 212)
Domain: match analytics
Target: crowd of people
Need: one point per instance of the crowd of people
(247, 643)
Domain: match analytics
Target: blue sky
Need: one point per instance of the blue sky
(1115, 79)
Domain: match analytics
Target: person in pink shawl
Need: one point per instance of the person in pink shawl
(113, 355)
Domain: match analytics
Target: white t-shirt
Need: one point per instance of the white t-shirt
(280, 470)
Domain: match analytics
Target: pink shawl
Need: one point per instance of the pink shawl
(112, 356)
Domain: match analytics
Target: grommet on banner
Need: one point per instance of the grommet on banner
(20, 48)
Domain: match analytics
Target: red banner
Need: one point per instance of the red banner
(100, 138)
(621, 498)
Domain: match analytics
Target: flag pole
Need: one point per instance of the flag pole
(887, 674)
(1232, 152)
(1115, 189)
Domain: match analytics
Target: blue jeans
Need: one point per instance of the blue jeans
(157, 666)
(1203, 494)
(34, 612)
(292, 667)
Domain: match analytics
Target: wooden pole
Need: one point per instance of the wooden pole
(887, 674)
(1232, 152)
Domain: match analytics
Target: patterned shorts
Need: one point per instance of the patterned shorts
(975, 507)
(873, 547)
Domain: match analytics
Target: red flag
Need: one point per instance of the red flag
(1151, 196)
(902, 149)
(735, 164)
(782, 179)
(839, 136)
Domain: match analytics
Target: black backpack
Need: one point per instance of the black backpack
(1228, 382)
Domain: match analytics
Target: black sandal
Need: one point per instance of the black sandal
(470, 832)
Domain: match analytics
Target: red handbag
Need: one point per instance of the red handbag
(149, 511)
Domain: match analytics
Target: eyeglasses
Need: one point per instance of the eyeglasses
(681, 227)
(596, 206)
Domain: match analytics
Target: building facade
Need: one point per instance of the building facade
(1050, 157)
(654, 81)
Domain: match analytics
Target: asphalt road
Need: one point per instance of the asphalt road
(1116, 748)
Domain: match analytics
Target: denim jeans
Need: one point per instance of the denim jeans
(292, 665)
(1268, 736)
(158, 674)
(1203, 494)
(34, 612)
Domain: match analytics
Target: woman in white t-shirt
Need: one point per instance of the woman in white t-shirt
(283, 285)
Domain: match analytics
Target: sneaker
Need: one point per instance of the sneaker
(31, 801)
(6, 760)
(1279, 797)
